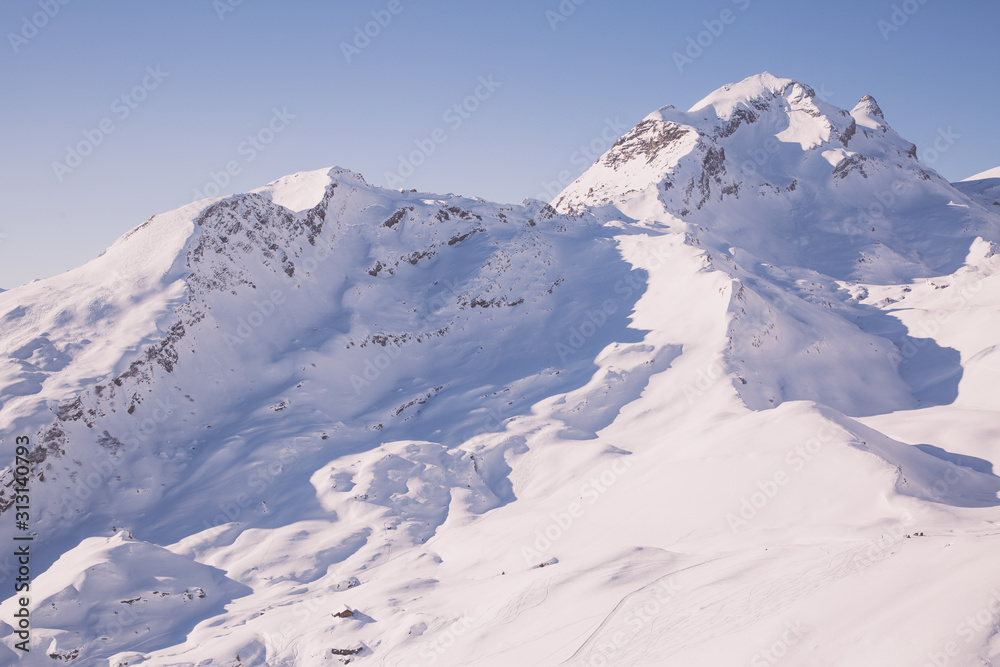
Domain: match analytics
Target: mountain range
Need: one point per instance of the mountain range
(730, 398)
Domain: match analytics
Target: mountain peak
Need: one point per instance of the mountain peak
(869, 114)
(771, 144)
(760, 87)
(868, 105)
(304, 190)
(742, 137)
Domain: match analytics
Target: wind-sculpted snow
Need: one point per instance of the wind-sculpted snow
(729, 399)
(118, 594)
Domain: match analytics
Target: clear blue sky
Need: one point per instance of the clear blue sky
(225, 66)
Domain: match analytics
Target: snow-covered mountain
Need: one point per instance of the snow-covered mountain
(729, 399)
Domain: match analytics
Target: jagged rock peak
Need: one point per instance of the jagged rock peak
(868, 105)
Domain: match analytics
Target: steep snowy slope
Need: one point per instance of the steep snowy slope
(989, 173)
(314, 319)
(732, 404)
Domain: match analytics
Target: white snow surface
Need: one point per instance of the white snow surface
(299, 192)
(989, 173)
(983, 188)
(729, 400)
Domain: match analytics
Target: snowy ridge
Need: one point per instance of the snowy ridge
(733, 389)
(983, 188)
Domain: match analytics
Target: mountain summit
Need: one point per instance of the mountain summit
(793, 198)
(836, 187)
(729, 397)
(867, 106)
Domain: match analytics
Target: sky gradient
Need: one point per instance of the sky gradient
(170, 101)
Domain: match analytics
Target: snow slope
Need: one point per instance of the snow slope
(989, 173)
(730, 401)
(983, 188)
